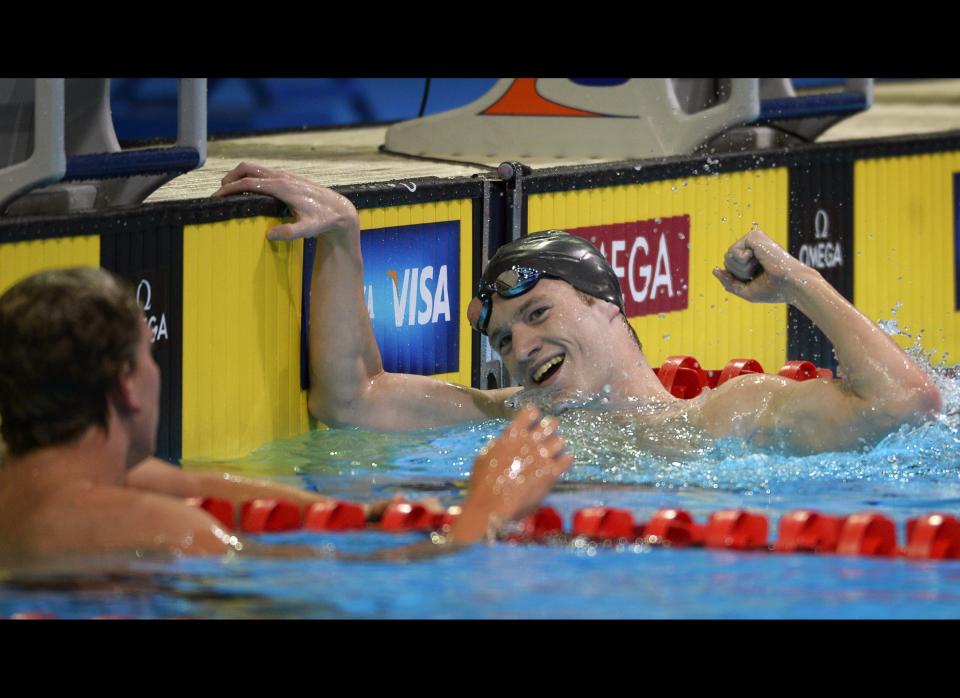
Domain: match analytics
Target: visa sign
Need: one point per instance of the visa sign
(411, 283)
(651, 259)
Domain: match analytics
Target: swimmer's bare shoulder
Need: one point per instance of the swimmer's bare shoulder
(88, 518)
(801, 416)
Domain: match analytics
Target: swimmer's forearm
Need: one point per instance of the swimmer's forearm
(874, 365)
(344, 356)
(238, 489)
(155, 475)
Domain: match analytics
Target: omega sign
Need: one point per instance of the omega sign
(824, 253)
(651, 259)
(158, 326)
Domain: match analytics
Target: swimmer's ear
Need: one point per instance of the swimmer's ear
(124, 393)
(612, 311)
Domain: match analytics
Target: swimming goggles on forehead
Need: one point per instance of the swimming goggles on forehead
(508, 284)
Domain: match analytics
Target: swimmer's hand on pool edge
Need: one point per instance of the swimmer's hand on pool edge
(317, 209)
(511, 475)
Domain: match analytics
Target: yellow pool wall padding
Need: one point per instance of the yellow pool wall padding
(241, 328)
(715, 327)
(21, 259)
(241, 338)
(904, 252)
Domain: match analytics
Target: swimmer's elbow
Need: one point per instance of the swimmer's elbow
(341, 411)
(332, 413)
(927, 400)
(916, 403)
(350, 405)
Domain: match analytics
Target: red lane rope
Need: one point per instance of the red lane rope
(684, 378)
(929, 537)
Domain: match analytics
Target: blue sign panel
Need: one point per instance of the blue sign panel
(411, 278)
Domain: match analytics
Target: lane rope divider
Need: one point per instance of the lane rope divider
(929, 537)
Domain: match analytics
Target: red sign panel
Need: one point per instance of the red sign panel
(652, 259)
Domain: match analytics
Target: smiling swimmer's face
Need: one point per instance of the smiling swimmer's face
(550, 338)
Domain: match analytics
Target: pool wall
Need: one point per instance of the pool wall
(878, 218)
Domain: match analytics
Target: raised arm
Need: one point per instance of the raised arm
(882, 387)
(348, 385)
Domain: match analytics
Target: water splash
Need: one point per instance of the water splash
(912, 470)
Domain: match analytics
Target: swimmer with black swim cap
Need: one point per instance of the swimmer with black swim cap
(553, 309)
(553, 254)
(565, 356)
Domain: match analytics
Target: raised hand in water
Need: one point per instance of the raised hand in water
(512, 474)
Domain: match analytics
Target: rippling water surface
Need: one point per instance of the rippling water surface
(913, 471)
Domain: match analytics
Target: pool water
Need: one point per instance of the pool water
(912, 472)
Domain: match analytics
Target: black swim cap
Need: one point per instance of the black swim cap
(559, 254)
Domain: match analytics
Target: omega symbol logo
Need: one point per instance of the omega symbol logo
(144, 287)
(821, 225)
(158, 326)
(824, 254)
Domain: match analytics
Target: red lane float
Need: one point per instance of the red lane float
(672, 527)
(736, 529)
(798, 370)
(269, 516)
(867, 534)
(334, 516)
(444, 521)
(933, 537)
(543, 522)
(220, 509)
(738, 367)
(404, 516)
(930, 537)
(603, 522)
(685, 378)
(682, 376)
(808, 531)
